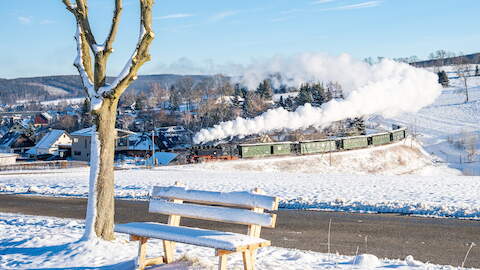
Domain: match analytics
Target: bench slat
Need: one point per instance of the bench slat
(215, 213)
(193, 236)
(237, 199)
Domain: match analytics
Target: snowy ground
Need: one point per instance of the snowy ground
(440, 194)
(449, 126)
(30, 242)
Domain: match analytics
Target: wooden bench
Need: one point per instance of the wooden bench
(245, 208)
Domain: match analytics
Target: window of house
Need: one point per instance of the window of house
(77, 153)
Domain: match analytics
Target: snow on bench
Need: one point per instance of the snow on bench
(245, 208)
(194, 236)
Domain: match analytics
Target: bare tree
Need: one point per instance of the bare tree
(104, 100)
(462, 69)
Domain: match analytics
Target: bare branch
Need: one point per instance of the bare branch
(114, 27)
(81, 15)
(69, 6)
(140, 55)
(83, 62)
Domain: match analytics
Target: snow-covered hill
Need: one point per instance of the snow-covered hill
(450, 128)
(403, 158)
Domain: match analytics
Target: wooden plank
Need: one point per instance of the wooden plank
(168, 246)
(222, 262)
(154, 261)
(169, 252)
(214, 213)
(234, 199)
(247, 260)
(219, 252)
(142, 252)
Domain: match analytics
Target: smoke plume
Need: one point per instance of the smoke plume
(387, 88)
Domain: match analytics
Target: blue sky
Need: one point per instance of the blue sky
(212, 35)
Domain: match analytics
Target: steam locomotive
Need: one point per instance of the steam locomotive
(232, 151)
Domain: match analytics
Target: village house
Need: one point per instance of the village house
(7, 159)
(22, 127)
(137, 144)
(82, 142)
(174, 137)
(42, 119)
(56, 142)
(14, 142)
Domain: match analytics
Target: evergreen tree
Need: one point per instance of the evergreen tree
(318, 94)
(237, 90)
(265, 90)
(443, 78)
(477, 71)
(86, 118)
(304, 95)
(281, 103)
(140, 103)
(289, 103)
(359, 124)
(175, 99)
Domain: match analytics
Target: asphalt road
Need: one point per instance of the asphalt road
(435, 240)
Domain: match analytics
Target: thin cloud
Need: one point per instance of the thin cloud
(368, 4)
(24, 20)
(222, 15)
(174, 16)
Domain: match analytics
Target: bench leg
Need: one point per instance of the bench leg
(247, 260)
(169, 249)
(222, 262)
(253, 254)
(142, 252)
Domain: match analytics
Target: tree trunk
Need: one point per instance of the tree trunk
(105, 120)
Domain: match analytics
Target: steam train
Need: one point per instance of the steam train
(232, 151)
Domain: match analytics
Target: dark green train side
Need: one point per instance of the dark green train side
(319, 146)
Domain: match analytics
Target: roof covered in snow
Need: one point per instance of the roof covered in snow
(48, 140)
(87, 132)
(140, 142)
(83, 132)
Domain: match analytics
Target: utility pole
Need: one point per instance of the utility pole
(154, 161)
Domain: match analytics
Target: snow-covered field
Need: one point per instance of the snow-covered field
(439, 194)
(448, 125)
(32, 242)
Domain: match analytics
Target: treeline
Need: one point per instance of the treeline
(53, 87)
(216, 99)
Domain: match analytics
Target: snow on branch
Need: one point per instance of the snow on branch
(139, 57)
(80, 65)
(96, 99)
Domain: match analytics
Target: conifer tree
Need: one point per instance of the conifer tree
(443, 78)
(86, 116)
(304, 95)
(265, 90)
(318, 94)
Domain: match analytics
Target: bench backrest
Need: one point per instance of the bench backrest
(245, 208)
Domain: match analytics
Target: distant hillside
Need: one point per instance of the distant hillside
(471, 58)
(53, 87)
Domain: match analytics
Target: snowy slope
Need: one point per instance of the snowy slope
(29, 242)
(444, 125)
(404, 157)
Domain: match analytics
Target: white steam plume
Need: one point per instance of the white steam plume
(387, 88)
